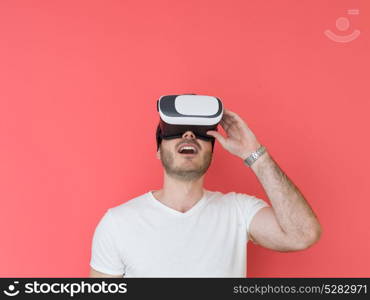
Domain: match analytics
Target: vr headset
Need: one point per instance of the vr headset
(188, 112)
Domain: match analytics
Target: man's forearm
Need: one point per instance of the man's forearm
(292, 211)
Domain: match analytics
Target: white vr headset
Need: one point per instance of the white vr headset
(188, 112)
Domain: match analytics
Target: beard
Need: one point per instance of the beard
(185, 173)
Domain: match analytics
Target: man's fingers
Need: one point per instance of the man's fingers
(232, 117)
(225, 125)
(217, 135)
(229, 120)
(233, 123)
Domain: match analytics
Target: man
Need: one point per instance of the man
(185, 230)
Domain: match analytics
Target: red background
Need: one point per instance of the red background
(79, 82)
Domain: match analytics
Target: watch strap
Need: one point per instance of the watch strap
(255, 155)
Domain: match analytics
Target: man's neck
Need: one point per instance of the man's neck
(180, 195)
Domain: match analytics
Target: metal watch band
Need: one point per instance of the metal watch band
(254, 156)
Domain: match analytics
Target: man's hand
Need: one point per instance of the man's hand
(240, 140)
(290, 224)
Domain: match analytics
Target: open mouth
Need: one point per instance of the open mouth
(188, 149)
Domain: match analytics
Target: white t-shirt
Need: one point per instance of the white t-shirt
(145, 238)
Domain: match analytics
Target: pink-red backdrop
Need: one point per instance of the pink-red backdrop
(78, 85)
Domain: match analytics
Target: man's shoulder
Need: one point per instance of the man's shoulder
(221, 195)
(134, 204)
(221, 199)
(230, 196)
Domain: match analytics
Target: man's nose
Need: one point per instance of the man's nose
(188, 135)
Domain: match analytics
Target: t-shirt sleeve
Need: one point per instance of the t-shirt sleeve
(105, 255)
(249, 206)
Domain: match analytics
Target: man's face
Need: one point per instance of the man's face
(187, 163)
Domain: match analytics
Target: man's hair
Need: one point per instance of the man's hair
(159, 138)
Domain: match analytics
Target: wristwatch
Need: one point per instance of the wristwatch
(255, 155)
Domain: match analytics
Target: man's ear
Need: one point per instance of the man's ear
(158, 154)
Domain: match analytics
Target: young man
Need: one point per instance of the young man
(185, 230)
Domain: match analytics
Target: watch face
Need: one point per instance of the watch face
(255, 155)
